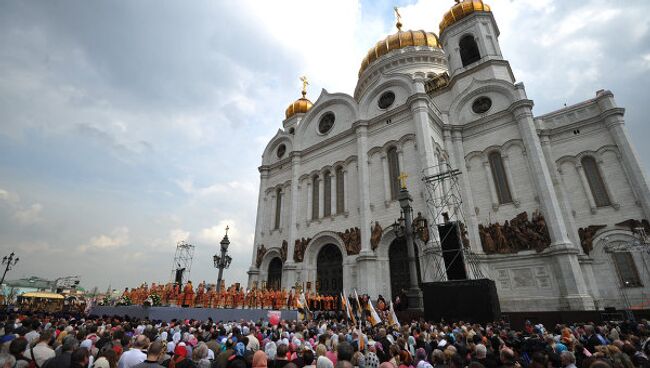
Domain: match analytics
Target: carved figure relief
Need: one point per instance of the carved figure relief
(586, 235)
(633, 224)
(261, 251)
(515, 235)
(299, 249)
(375, 236)
(283, 251)
(352, 240)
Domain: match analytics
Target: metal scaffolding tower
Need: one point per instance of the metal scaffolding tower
(182, 261)
(444, 204)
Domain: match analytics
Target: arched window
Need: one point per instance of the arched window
(393, 172)
(327, 189)
(626, 268)
(468, 50)
(278, 208)
(340, 191)
(314, 198)
(596, 183)
(499, 176)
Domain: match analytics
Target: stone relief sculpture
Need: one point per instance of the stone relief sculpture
(375, 236)
(352, 240)
(586, 235)
(283, 251)
(516, 235)
(299, 249)
(261, 251)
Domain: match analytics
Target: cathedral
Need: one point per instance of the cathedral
(554, 208)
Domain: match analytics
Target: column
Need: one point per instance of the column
(615, 123)
(366, 260)
(586, 187)
(364, 185)
(333, 209)
(420, 110)
(295, 201)
(562, 196)
(493, 191)
(259, 219)
(573, 288)
(400, 161)
(511, 183)
(454, 144)
(310, 200)
(273, 206)
(346, 191)
(385, 168)
(321, 195)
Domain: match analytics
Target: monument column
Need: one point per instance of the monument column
(573, 289)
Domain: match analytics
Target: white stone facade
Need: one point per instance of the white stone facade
(542, 157)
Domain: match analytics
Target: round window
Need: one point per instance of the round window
(481, 105)
(326, 122)
(386, 99)
(282, 149)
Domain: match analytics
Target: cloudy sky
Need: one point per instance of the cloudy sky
(126, 126)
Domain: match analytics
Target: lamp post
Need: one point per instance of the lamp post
(9, 261)
(222, 261)
(405, 228)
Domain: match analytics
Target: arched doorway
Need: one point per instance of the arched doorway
(329, 270)
(274, 280)
(398, 259)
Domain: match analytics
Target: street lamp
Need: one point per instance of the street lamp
(404, 227)
(222, 261)
(9, 261)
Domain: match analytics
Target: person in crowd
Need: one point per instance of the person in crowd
(7, 360)
(64, 358)
(16, 349)
(135, 355)
(42, 350)
(79, 358)
(155, 351)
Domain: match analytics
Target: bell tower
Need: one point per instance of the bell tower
(469, 36)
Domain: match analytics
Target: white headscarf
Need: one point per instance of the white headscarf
(324, 362)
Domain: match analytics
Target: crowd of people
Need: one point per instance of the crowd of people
(47, 341)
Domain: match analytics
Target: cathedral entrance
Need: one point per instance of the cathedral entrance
(329, 270)
(398, 259)
(274, 280)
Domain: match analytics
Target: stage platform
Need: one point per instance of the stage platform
(169, 313)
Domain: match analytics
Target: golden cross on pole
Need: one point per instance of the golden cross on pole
(305, 83)
(402, 179)
(398, 17)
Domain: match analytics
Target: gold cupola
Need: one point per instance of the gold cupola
(301, 105)
(397, 41)
(461, 10)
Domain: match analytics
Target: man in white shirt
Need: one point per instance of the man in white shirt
(568, 359)
(135, 355)
(33, 334)
(42, 350)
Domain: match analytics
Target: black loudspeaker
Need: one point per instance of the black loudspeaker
(179, 276)
(462, 300)
(452, 251)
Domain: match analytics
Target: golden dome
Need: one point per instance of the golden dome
(301, 105)
(461, 10)
(397, 41)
